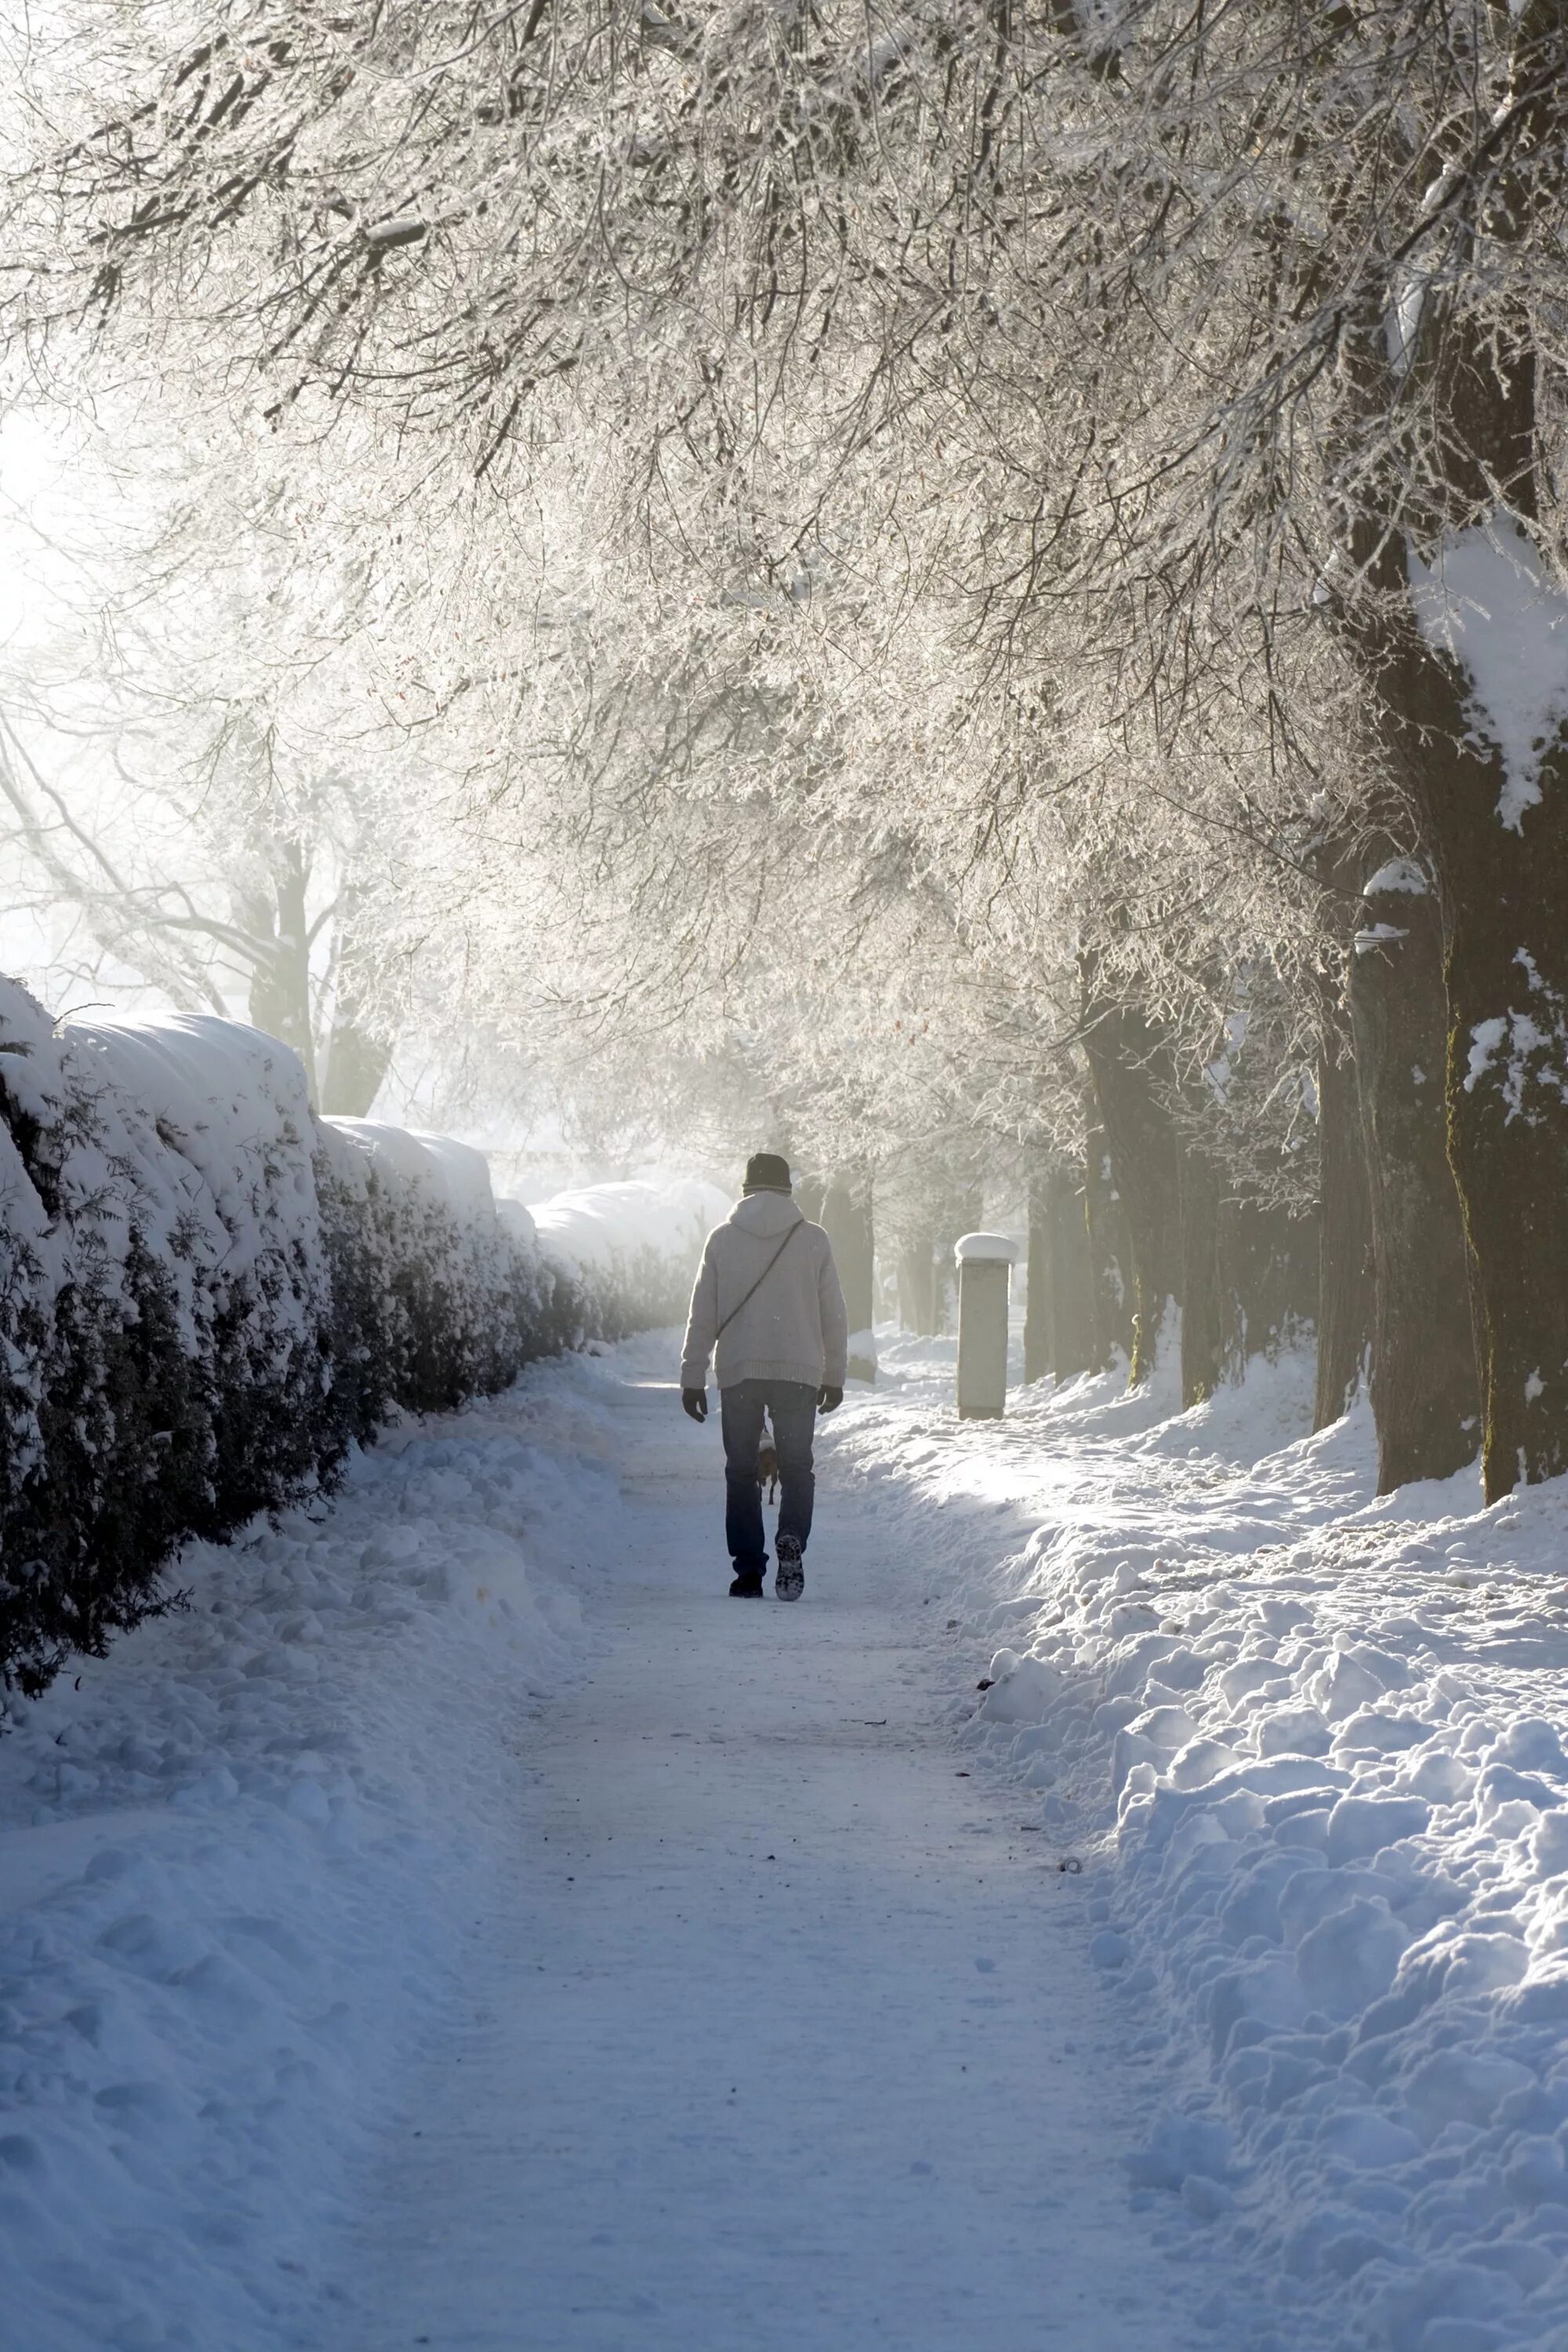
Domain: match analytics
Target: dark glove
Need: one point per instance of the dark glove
(829, 1400)
(695, 1403)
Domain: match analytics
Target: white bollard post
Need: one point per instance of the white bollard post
(983, 1260)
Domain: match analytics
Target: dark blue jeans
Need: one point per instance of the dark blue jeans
(791, 1406)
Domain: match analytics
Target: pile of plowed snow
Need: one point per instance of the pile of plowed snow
(1314, 1748)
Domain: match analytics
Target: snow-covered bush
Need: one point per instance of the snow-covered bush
(71, 1317)
(549, 1294)
(630, 1250)
(164, 1303)
(230, 1137)
(429, 1283)
(207, 1295)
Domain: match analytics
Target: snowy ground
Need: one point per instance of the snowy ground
(781, 2030)
(1320, 1742)
(467, 1926)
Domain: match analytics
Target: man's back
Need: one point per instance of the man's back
(792, 1325)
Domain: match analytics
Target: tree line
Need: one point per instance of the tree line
(981, 581)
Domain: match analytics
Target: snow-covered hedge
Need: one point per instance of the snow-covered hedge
(435, 1298)
(164, 1302)
(633, 1249)
(208, 1294)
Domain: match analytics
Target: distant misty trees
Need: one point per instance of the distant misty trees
(194, 795)
(244, 929)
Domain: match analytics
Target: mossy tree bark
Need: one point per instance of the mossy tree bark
(1424, 1396)
(1505, 905)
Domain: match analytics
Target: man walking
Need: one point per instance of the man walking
(767, 1306)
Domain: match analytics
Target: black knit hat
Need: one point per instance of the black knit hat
(766, 1173)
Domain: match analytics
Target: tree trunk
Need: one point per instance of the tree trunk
(1128, 1064)
(846, 1219)
(1424, 1393)
(279, 993)
(1071, 1292)
(1109, 1257)
(1461, 564)
(1504, 890)
(1269, 1278)
(1037, 1307)
(917, 1288)
(963, 1212)
(357, 1065)
(1345, 1293)
(1203, 1339)
(356, 1057)
(1507, 1082)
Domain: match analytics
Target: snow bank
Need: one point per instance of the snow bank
(1314, 1748)
(238, 1859)
(635, 1246)
(207, 1295)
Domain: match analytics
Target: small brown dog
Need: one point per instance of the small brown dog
(768, 1469)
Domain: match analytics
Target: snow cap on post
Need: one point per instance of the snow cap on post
(996, 1247)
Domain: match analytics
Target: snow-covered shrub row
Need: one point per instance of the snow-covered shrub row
(206, 1295)
(164, 1301)
(238, 1858)
(1314, 1748)
(435, 1298)
(633, 1249)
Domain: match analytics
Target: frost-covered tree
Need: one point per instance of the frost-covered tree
(201, 784)
(1149, 411)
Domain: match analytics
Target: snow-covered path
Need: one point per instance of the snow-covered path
(781, 2030)
(465, 1925)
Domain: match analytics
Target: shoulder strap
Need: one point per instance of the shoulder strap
(760, 1280)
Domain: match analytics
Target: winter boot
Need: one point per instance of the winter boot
(748, 1584)
(789, 1580)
